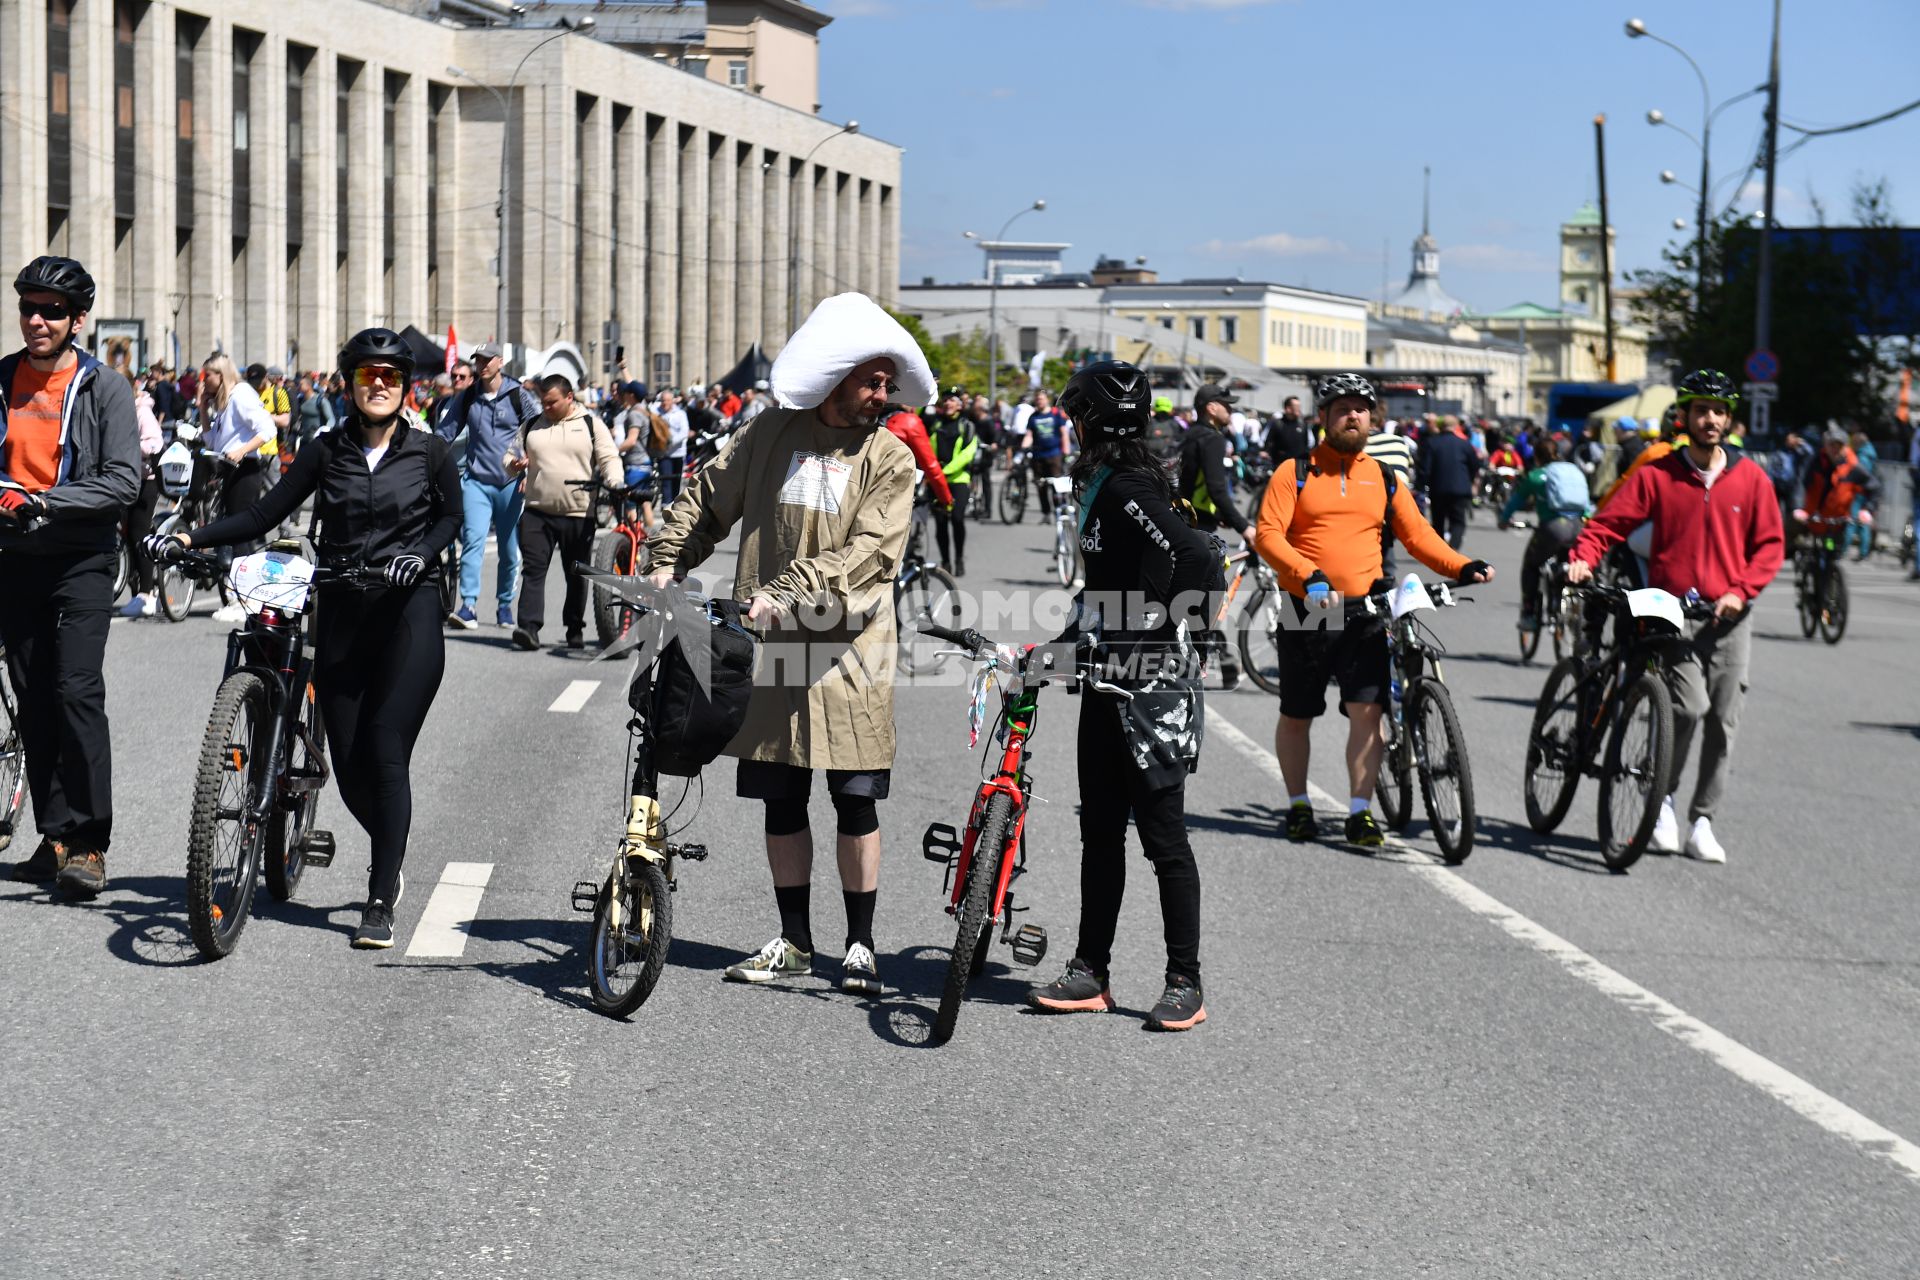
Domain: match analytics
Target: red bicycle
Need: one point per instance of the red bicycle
(616, 551)
(983, 863)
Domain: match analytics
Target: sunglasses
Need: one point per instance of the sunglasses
(882, 383)
(370, 375)
(45, 310)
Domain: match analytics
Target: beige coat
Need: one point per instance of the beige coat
(576, 449)
(824, 515)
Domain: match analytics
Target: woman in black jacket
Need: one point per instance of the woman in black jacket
(1144, 608)
(384, 494)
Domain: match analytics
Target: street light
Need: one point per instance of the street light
(793, 226)
(993, 302)
(567, 27)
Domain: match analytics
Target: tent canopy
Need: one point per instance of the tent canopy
(429, 357)
(753, 367)
(1648, 402)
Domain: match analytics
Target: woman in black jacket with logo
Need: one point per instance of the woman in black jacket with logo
(1148, 572)
(384, 495)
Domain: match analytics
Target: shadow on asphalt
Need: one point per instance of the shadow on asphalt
(1575, 853)
(1261, 820)
(557, 972)
(1497, 659)
(149, 916)
(1911, 730)
(1510, 699)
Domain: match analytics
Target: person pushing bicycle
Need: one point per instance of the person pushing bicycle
(1557, 492)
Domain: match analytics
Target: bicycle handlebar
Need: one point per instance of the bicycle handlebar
(1696, 608)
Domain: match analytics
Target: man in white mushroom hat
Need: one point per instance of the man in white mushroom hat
(823, 497)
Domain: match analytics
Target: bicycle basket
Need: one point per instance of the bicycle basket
(696, 704)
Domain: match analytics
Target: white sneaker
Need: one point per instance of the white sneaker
(233, 612)
(1666, 830)
(1702, 844)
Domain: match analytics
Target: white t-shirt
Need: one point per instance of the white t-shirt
(373, 453)
(244, 418)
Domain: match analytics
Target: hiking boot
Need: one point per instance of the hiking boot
(1363, 832)
(376, 927)
(84, 873)
(1301, 826)
(1180, 1006)
(464, 618)
(859, 973)
(527, 638)
(47, 860)
(778, 959)
(1078, 990)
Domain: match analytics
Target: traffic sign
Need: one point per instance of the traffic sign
(1763, 366)
(1760, 392)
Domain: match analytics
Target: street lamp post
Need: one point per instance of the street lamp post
(993, 303)
(793, 225)
(503, 212)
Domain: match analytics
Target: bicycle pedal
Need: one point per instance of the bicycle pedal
(1029, 944)
(316, 849)
(940, 844)
(691, 852)
(586, 896)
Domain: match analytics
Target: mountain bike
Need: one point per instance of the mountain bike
(1066, 530)
(923, 592)
(982, 864)
(1259, 618)
(980, 497)
(617, 552)
(1819, 583)
(1013, 490)
(632, 908)
(262, 767)
(1605, 712)
(1555, 612)
(13, 761)
(178, 579)
(1424, 739)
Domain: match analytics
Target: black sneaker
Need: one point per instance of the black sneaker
(84, 872)
(44, 865)
(576, 638)
(376, 927)
(959, 568)
(527, 638)
(1363, 831)
(1078, 990)
(1180, 1006)
(1301, 826)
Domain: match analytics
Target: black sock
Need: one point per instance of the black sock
(860, 916)
(795, 926)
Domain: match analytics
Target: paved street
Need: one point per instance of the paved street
(1530, 1067)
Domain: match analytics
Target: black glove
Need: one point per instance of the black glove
(1471, 574)
(163, 548)
(404, 571)
(18, 504)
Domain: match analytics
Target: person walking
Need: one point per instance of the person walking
(1047, 437)
(1445, 471)
(1289, 435)
(69, 466)
(237, 426)
(671, 460)
(490, 409)
(145, 599)
(565, 443)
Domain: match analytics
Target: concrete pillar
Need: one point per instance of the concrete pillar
(629, 199)
(816, 234)
(750, 259)
(663, 246)
(317, 330)
(209, 264)
(478, 132)
(596, 236)
(410, 208)
(692, 338)
(846, 235)
(266, 282)
(363, 292)
(775, 249)
(722, 176)
(89, 235)
(153, 133)
(23, 130)
(890, 246)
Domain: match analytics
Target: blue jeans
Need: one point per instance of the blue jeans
(498, 505)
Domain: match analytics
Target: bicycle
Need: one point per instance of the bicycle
(262, 765)
(1820, 584)
(618, 551)
(178, 580)
(1555, 611)
(632, 908)
(13, 761)
(982, 864)
(1013, 490)
(1259, 619)
(1066, 530)
(980, 497)
(1605, 712)
(922, 592)
(1424, 739)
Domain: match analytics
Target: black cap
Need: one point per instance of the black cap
(1210, 392)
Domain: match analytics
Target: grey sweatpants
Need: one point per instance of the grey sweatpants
(1709, 685)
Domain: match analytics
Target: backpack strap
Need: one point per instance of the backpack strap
(1386, 517)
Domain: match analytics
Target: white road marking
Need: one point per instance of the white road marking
(1825, 1110)
(455, 904)
(574, 696)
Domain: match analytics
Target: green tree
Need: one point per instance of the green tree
(962, 360)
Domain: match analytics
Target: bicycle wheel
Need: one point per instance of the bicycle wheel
(1803, 604)
(1063, 552)
(1833, 610)
(450, 578)
(1446, 777)
(983, 876)
(980, 503)
(1394, 788)
(1013, 498)
(13, 771)
(931, 596)
(1639, 752)
(632, 928)
(298, 802)
(1530, 642)
(612, 616)
(1554, 748)
(1258, 641)
(223, 841)
(122, 564)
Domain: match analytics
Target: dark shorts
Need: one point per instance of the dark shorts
(1355, 655)
(768, 780)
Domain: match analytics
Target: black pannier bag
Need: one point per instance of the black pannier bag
(696, 703)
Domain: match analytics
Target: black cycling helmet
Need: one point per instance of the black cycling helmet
(63, 276)
(1707, 384)
(376, 346)
(1335, 385)
(1110, 399)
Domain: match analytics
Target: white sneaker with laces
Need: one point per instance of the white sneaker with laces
(859, 973)
(1666, 830)
(1703, 844)
(233, 612)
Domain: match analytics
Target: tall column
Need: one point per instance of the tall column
(545, 217)
(692, 341)
(817, 239)
(871, 282)
(153, 134)
(721, 241)
(364, 293)
(846, 236)
(630, 197)
(663, 245)
(596, 235)
(211, 268)
(410, 207)
(90, 102)
(266, 285)
(750, 266)
(775, 250)
(23, 130)
(890, 245)
(318, 329)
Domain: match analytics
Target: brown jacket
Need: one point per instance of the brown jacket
(823, 516)
(556, 452)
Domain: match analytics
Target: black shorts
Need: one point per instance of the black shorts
(770, 780)
(1355, 655)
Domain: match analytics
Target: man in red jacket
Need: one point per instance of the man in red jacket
(1716, 530)
(906, 424)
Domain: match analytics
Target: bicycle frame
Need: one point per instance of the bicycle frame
(1017, 715)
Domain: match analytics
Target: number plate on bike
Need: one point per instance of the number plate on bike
(271, 580)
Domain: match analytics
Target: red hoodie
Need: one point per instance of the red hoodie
(1718, 540)
(913, 434)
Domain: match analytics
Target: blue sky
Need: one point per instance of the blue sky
(1283, 139)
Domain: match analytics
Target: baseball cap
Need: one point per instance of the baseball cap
(485, 351)
(1210, 392)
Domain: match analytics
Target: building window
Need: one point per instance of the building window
(59, 107)
(694, 66)
(347, 73)
(126, 17)
(737, 74)
(392, 87)
(1197, 326)
(1166, 322)
(1229, 330)
(297, 62)
(244, 44)
(186, 34)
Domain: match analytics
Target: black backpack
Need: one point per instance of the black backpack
(692, 715)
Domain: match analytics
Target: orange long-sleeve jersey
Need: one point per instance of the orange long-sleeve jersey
(1332, 524)
(1652, 453)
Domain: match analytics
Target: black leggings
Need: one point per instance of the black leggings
(955, 519)
(1106, 767)
(139, 524)
(379, 659)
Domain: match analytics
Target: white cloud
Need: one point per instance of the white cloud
(1495, 257)
(1277, 244)
(1755, 193)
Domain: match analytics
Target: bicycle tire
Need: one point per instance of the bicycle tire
(288, 827)
(217, 912)
(933, 596)
(13, 772)
(1554, 751)
(983, 876)
(1063, 553)
(450, 580)
(612, 616)
(1394, 786)
(1453, 834)
(122, 564)
(645, 896)
(1013, 498)
(1622, 842)
(1833, 617)
(1805, 606)
(1530, 642)
(1259, 643)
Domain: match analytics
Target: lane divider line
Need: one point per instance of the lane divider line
(574, 696)
(455, 905)
(1772, 1079)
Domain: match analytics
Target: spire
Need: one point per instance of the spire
(1426, 199)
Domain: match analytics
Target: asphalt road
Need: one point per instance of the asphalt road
(1530, 1067)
